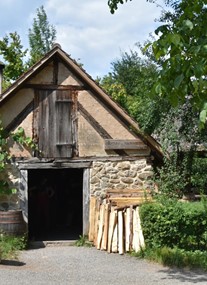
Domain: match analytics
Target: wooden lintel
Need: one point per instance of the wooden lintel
(55, 165)
(55, 87)
(124, 144)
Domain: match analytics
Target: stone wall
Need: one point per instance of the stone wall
(120, 175)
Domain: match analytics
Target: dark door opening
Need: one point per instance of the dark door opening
(55, 204)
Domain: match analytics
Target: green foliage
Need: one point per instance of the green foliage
(83, 241)
(41, 36)
(172, 178)
(181, 49)
(175, 224)
(183, 171)
(199, 174)
(20, 137)
(13, 54)
(113, 4)
(180, 176)
(5, 158)
(175, 257)
(10, 245)
(129, 84)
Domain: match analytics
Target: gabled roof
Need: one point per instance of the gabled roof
(90, 83)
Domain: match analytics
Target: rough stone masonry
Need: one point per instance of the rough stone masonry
(120, 175)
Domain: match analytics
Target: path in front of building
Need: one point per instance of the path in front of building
(87, 266)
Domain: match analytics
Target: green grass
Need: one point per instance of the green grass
(83, 241)
(175, 257)
(10, 245)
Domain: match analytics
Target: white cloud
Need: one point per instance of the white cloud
(85, 29)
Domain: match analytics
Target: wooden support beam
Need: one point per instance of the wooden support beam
(111, 144)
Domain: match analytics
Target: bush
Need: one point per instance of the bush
(175, 224)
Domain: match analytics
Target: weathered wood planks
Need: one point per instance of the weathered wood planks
(115, 230)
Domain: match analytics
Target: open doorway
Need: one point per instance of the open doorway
(55, 204)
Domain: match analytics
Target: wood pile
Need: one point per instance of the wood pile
(115, 223)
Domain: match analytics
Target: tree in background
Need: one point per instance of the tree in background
(42, 36)
(180, 54)
(13, 54)
(182, 48)
(130, 82)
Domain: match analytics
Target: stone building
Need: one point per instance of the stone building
(87, 144)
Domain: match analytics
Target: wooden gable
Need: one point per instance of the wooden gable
(54, 125)
(71, 115)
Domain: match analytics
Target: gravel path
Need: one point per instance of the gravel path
(87, 266)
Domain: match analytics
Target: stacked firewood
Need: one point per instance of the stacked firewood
(115, 223)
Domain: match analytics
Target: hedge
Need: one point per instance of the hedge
(175, 224)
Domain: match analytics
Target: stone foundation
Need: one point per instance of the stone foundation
(120, 175)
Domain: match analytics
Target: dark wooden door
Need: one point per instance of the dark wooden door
(54, 123)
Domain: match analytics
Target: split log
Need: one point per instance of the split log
(131, 228)
(135, 244)
(114, 247)
(92, 219)
(127, 229)
(112, 223)
(101, 226)
(138, 238)
(106, 227)
(97, 216)
(139, 227)
(120, 233)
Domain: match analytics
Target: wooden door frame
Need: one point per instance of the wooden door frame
(23, 192)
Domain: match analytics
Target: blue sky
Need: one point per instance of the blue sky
(85, 28)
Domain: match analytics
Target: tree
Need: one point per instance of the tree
(129, 83)
(182, 49)
(41, 39)
(113, 4)
(41, 36)
(13, 54)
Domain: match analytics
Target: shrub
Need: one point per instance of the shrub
(175, 224)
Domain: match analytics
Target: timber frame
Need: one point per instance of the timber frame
(75, 125)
